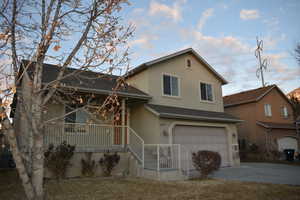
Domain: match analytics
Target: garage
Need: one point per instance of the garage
(287, 143)
(195, 138)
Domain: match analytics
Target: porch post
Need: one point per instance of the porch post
(128, 125)
(123, 121)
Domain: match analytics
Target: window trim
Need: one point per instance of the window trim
(266, 109)
(212, 91)
(162, 85)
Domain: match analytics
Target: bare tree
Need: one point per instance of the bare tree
(87, 35)
(296, 106)
(297, 53)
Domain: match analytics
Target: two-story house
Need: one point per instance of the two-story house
(171, 107)
(186, 106)
(268, 118)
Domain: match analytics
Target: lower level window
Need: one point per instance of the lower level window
(79, 116)
(74, 120)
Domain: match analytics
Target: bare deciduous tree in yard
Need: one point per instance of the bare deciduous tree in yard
(297, 53)
(87, 35)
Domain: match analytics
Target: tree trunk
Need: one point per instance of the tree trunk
(9, 131)
(37, 127)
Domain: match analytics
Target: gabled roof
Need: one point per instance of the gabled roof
(250, 96)
(171, 112)
(88, 81)
(146, 65)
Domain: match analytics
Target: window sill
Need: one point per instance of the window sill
(172, 97)
(209, 102)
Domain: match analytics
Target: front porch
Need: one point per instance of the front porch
(156, 161)
(87, 137)
(95, 138)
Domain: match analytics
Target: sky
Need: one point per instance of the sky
(224, 33)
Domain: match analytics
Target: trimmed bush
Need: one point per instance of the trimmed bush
(108, 162)
(88, 166)
(57, 159)
(206, 162)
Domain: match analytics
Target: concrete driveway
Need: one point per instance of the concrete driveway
(261, 172)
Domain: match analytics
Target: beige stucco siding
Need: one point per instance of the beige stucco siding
(141, 81)
(145, 123)
(150, 81)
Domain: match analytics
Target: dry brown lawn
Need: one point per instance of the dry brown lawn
(138, 189)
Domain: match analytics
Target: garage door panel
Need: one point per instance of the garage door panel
(196, 138)
(287, 143)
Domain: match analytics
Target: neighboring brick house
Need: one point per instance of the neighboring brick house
(268, 118)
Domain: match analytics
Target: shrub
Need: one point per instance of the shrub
(88, 166)
(108, 162)
(273, 155)
(254, 148)
(206, 162)
(57, 159)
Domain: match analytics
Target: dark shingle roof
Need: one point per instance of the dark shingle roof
(89, 81)
(277, 125)
(185, 113)
(246, 96)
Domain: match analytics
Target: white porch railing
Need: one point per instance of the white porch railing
(162, 156)
(185, 160)
(84, 136)
(136, 145)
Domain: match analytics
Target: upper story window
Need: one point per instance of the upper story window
(268, 110)
(170, 85)
(284, 112)
(188, 63)
(206, 92)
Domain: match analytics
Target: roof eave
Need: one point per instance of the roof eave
(108, 92)
(237, 104)
(192, 117)
(270, 127)
(201, 118)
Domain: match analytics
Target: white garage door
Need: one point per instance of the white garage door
(287, 143)
(195, 138)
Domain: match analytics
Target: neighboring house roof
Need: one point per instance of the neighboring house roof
(191, 114)
(146, 65)
(87, 81)
(272, 125)
(250, 96)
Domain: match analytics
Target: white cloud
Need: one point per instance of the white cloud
(231, 43)
(138, 10)
(172, 11)
(204, 17)
(143, 41)
(249, 14)
(272, 23)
